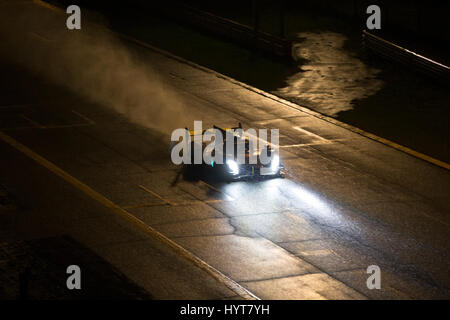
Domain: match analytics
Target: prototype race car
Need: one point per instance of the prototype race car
(232, 168)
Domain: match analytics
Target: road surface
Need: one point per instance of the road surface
(347, 202)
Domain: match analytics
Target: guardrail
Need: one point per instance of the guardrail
(242, 34)
(409, 58)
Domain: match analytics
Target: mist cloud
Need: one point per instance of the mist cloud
(91, 62)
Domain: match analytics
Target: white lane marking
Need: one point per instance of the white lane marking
(316, 253)
(309, 133)
(230, 198)
(34, 123)
(155, 194)
(37, 125)
(92, 122)
(41, 37)
(304, 144)
(15, 106)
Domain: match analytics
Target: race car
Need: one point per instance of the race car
(232, 168)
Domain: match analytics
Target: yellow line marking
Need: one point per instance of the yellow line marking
(404, 149)
(216, 189)
(48, 6)
(216, 274)
(156, 195)
(92, 122)
(34, 123)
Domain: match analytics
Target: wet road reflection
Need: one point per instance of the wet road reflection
(280, 195)
(331, 77)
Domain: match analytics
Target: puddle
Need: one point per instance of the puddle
(331, 78)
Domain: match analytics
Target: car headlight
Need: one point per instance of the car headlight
(233, 166)
(275, 164)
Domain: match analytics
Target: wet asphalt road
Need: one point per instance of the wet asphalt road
(346, 202)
